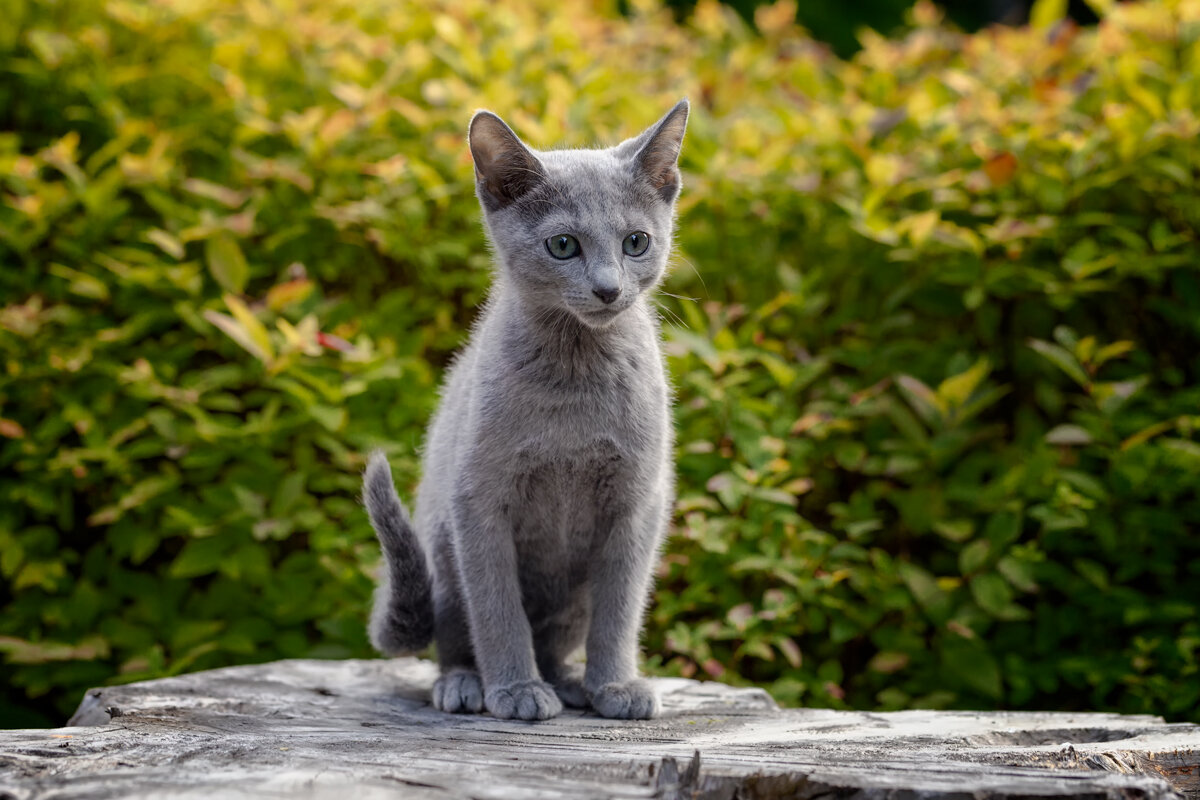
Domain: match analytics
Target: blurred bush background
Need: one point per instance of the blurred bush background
(934, 326)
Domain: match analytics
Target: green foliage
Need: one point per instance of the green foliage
(839, 24)
(938, 395)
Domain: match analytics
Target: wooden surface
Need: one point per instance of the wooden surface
(365, 729)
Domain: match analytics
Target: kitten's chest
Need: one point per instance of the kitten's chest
(594, 417)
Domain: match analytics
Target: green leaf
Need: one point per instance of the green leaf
(1184, 452)
(226, 263)
(1111, 351)
(198, 557)
(166, 242)
(991, 592)
(924, 589)
(330, 417)
(1093, 572)
(81, 283)
(250, 324)
(1018, 573)
(955, 390)
(968, 663)
(1002, 529)
(291, 488)
(236, 331)
(973, 556)
(1061, 358)
(780, 370)
(958, 530)
(249, 502)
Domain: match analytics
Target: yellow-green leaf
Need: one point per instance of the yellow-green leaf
(166, 242)
(957, 389)
(226, 262)
(255, 329)
(1047, 12)
(233, 329)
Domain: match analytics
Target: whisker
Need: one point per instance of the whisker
(676, 256)
(675, 318)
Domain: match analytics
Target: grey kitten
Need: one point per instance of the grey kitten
(547, 471)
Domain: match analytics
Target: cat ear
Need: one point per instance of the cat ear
(504, 167)
(655, 152)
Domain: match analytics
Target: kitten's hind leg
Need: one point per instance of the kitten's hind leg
(459, 689)
(557, 641)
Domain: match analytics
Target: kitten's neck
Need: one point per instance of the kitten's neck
(556, 340)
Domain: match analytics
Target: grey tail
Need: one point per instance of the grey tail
(402, 617)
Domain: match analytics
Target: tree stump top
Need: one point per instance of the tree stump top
(363, 729)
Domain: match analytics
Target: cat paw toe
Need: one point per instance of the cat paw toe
(524, 700)
(634, 699)
(458, 692)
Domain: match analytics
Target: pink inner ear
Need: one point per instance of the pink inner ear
(658, 160)
(489, 143)
(505, 166)
(659, 156)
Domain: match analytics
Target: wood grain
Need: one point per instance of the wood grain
(364, 729)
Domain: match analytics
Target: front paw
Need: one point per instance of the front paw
(458, 692)
(524, 700)
(634, 699)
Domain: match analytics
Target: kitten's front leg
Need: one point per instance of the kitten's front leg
(620, 583)
(500, 633)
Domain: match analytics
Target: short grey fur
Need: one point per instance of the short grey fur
(547, 478)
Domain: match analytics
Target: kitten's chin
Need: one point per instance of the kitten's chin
(600, 318)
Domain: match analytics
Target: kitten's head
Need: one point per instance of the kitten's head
(588, 231)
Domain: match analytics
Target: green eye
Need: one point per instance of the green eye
(636, 243)
(563, 246)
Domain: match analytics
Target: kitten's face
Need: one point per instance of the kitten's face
(588, 231)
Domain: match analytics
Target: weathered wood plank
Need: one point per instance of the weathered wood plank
(338, 729)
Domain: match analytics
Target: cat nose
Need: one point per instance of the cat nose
(607, 293)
